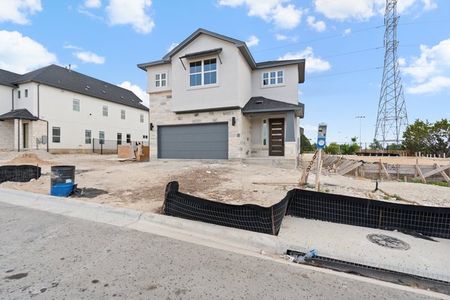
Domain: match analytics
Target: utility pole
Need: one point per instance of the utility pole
(360, 126)
(392, 117)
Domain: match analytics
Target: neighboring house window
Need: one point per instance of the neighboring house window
(272, 78)
(160, 80)
(101, 137)
(18, 94)
(105, 110)
(76, 105)
(26, 93)
(122, 114)
(128, 138)
(87, 136)
(145, 137)
(203, 72)
(119, 139)
(56, 134)
(142, 118)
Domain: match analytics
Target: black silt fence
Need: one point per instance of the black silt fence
(249, 217)
(425, 220)
(20, 173)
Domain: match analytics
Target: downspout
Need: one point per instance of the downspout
(18, 135)
(39, 116)
(12, 99)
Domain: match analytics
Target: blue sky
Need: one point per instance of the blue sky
(341, 41)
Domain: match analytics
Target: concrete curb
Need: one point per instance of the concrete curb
(182, 229)
(210, 235)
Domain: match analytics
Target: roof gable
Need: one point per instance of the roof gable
(7, 78)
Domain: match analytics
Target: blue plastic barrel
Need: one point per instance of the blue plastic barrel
(61, 189)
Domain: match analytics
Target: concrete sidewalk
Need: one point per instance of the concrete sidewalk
(349, 243)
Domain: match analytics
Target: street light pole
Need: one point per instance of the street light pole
(360, 126)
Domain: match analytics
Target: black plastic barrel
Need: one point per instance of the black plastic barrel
(62, 174)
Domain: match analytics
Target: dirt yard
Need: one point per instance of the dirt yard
(141, 185)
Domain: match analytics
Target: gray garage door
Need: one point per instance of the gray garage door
(198, 141)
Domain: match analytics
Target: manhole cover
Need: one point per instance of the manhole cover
(388, 241)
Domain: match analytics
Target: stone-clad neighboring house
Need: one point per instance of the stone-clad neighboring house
(209, 99)
(61, 110)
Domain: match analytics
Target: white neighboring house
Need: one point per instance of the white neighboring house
(209, 99)
(61, 110)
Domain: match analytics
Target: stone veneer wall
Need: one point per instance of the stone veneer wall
(7, 135)
(161, 114)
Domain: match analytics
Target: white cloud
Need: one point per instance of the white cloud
(90, 57)
(131, 12)
(282, 37)
(347, 31)
(22, 54)
(429, 4)
(92, 3)
(137, 90)
(252, 41)
(431, 70)
(17, 11)
(362, 10)
(318, 26)
(279, 12)
(434, 85)
(70, 46)
(172, 46)
(313, 64)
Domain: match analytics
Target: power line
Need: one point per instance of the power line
(347, 72)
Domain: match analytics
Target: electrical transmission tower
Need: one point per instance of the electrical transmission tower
(392, 117)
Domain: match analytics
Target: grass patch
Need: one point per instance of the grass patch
(438, 183)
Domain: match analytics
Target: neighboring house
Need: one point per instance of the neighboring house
(209, 99)
(61, 110)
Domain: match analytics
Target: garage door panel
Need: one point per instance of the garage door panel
(197, 141)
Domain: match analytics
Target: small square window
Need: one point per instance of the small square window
(56, 134)
(105, 110)
(76, 105)
(122, 114)
(160, 80)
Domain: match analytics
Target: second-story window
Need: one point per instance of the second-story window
(18, 94)
(142, 118)
(76, 105)
(105, 110)
(160, 80)
(26, 93)
(272, 78)
(122, 114)
(203, 72)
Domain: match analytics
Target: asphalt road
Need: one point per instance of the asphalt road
(48, 256)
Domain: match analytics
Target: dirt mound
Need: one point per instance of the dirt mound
(28, 159)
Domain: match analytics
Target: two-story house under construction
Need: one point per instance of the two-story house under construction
(209, 99)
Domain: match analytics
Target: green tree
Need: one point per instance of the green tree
(428, 138)
(332, 148)
(439, 137)
(375, 145)
(305, 144)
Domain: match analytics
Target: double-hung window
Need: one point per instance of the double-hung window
(76, 105)
(56, 134)
(122, 114)
(203, 72)
(142, 118)
(105, 110)
(101, 137)
(87, 136)
(160, 80)
(272, 78)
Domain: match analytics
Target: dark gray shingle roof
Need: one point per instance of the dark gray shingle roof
(262, 105)
(18, 114)
(7, 78)
(70, 80)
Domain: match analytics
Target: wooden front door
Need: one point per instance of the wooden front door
(276, 137)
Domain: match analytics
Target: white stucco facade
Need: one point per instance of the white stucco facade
(238, 80)
(54, 108)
